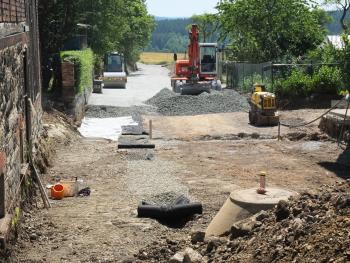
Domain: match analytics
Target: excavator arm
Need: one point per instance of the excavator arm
(193, 53)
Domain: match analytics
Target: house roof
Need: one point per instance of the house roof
(336, 41)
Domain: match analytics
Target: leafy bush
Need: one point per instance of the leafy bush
(325, 54)
(83, 67)
(298, 84)
(327, 80)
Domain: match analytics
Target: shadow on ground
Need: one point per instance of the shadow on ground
(341, 167)
(176, 224)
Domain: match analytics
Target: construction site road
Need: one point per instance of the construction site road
(142, 85)
(104, 227)
(204, 157)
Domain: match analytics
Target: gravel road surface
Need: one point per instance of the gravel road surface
(142, 85)
(148, 93)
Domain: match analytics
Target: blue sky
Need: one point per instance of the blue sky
(180, 8)
(184, 8)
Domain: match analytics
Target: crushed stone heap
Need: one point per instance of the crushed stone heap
(169, 103)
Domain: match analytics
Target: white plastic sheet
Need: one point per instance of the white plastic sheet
(108, 128)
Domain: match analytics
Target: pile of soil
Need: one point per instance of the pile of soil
(169, 103)
(312, 227)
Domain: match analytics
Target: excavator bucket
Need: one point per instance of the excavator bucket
(195, 89)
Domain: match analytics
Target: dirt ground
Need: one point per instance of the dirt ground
(227, 124)
(189, 155)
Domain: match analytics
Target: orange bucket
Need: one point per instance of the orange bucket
(57, 192)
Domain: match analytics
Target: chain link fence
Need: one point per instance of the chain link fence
(243, 75)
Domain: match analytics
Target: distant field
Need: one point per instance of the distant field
(158, 58)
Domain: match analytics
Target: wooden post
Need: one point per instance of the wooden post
(21, 141)
(150, 129)
(279, 131)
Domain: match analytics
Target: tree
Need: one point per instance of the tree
(176, 43)
(344, 6)
(266, 30)
(120, 25)
(115, 25)
(57, 23)
(169, 33)
(345, 61)
(139, 28)
(208, 25)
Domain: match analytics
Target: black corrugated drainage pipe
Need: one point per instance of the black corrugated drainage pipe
(179, 210)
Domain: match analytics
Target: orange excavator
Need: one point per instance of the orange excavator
(198, 73)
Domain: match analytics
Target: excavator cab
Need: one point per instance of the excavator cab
(208, 58)
(114, 74)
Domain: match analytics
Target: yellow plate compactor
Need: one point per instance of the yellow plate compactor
(263, 107)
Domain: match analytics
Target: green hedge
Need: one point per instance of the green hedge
(83, 66)
(326, 80)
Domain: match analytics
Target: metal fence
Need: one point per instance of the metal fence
(242, 75)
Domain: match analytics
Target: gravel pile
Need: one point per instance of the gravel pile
(313, 227)
(171, 104)
(164, 199)
(168, 103)
(164, 94)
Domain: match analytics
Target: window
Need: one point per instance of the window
(114, 63)
(208, 59)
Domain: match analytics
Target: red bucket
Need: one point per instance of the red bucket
(57, 192)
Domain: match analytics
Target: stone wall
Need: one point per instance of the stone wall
(14, 142)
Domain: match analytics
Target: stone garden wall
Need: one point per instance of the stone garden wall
(19, 118)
